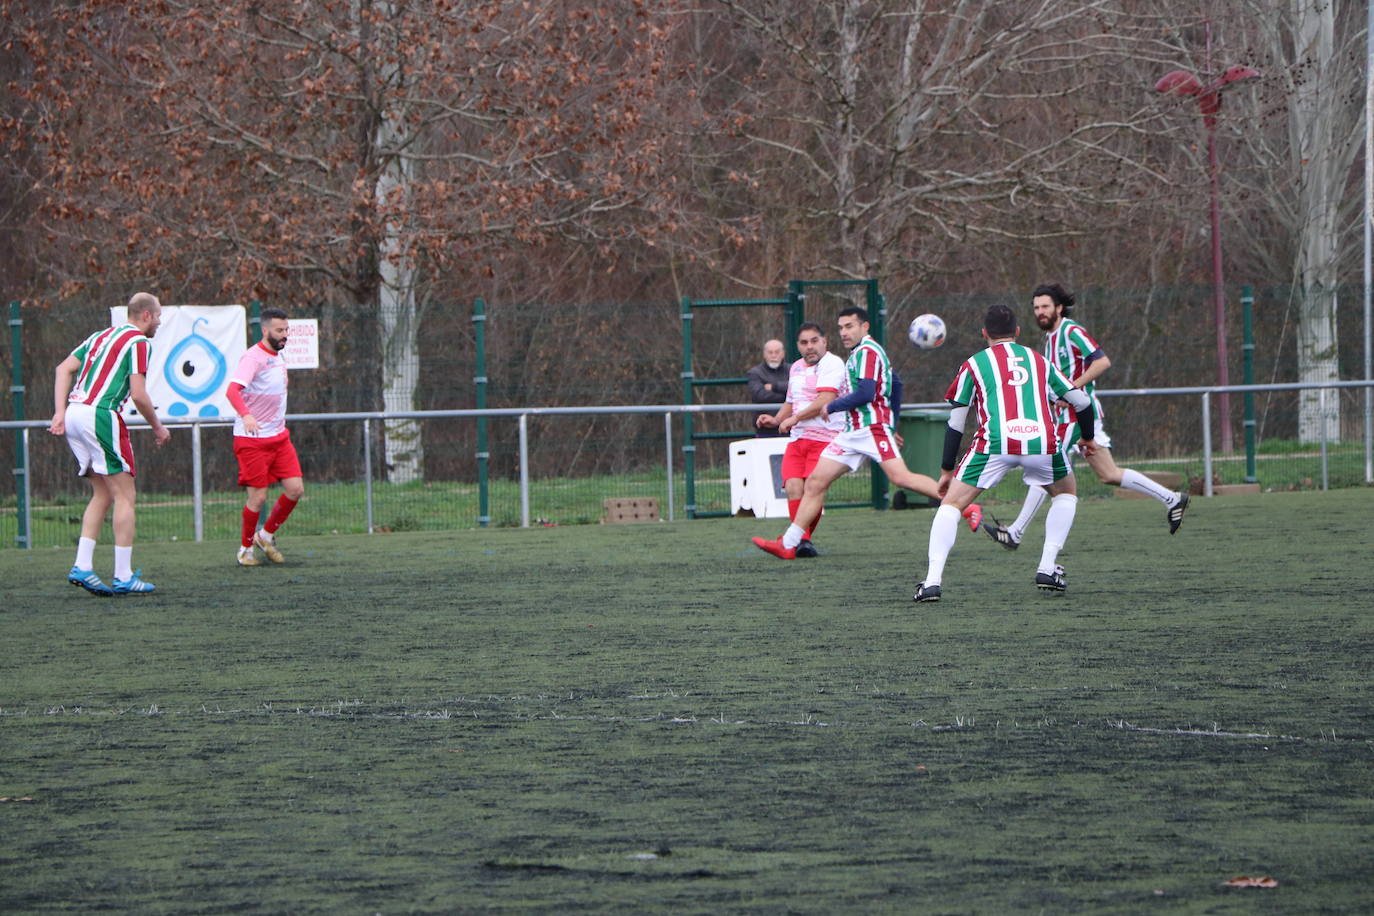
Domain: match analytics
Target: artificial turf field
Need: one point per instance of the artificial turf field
(647, 718)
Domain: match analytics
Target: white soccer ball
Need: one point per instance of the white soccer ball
(927, 331)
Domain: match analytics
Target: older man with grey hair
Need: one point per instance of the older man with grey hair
(768, 382)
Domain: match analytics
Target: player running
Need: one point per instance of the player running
(1069, 347)
(1011, 389)
(89, 390)
(262, 443)
(870, 409)
(813, 382)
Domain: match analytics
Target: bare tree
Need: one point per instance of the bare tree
(914, 128)
(1303, 195)
(346, 146)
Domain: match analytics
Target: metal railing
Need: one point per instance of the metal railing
(668, 412)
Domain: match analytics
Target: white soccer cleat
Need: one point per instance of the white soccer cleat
(248, 558)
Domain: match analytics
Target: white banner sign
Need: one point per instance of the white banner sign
(195, 350)
(302, 343)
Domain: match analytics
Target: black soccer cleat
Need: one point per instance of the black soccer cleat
(806, 550)
(1175, 513)
(1051, 582)
(999, 534)
(926, 593)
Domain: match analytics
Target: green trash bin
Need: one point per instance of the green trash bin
(923, 445)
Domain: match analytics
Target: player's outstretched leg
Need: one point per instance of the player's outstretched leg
(1175, 512)
(1010, 536)
(1000, 534)
(901, 476)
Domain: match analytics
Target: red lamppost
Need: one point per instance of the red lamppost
(1181, 82)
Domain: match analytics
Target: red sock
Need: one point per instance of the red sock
(280, 512)
(814, 524)
(250, 526)
(792, 505)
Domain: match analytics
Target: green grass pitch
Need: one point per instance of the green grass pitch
(662, 718)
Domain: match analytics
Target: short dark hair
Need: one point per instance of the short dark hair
(810, 326)
(269, 314)
(857, 312)
(1000, 321)
(1061, 296)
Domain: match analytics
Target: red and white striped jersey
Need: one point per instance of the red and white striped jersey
(1010, 389)
(108, 358)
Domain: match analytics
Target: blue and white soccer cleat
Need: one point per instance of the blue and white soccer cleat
(87, 579)
(133, 585)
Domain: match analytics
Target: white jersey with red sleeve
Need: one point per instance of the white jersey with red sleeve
(262, 373)
(805, 383)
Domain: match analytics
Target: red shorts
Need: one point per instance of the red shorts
(800, 458)
(263, 462)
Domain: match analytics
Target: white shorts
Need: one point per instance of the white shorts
(99, 440)
(1068, 435)
(984, 471)
(851, 448)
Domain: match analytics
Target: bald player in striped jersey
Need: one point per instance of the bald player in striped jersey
(89, 390)
(870, 410)
(1069, 346)
(1010, 389)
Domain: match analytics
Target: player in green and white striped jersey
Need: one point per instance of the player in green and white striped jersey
(871, 405)
(1011, 390)
(1070, 347)
(89, 390)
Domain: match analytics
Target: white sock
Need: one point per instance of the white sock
(1058, 521)
(793, 536)
(1134, 480)
(944, 528)
(124, 562)
(1035, 497)
(85, 553)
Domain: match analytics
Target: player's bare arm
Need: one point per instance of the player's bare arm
(62, 387)
(1094, 371)
(138, 392)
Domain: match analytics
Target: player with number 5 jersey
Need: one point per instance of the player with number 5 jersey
(1010, 390)
(1070, 347)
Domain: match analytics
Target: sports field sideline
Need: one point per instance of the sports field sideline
(662, 718)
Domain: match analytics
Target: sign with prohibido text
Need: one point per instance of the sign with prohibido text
(194, 350)
(302, 343)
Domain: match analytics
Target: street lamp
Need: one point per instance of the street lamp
(1181, 82)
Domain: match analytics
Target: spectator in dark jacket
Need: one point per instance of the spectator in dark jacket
(768, 381)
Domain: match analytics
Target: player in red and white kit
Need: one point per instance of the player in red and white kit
(815, 380)
(262, 443)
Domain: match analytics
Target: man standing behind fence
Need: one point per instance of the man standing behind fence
(262, 443)
(89, 391)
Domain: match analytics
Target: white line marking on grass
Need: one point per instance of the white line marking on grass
(355, 709)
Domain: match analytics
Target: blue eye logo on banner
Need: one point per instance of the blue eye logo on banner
(195, 370)
(193, 351)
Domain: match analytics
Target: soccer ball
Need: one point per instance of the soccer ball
(927, 331)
